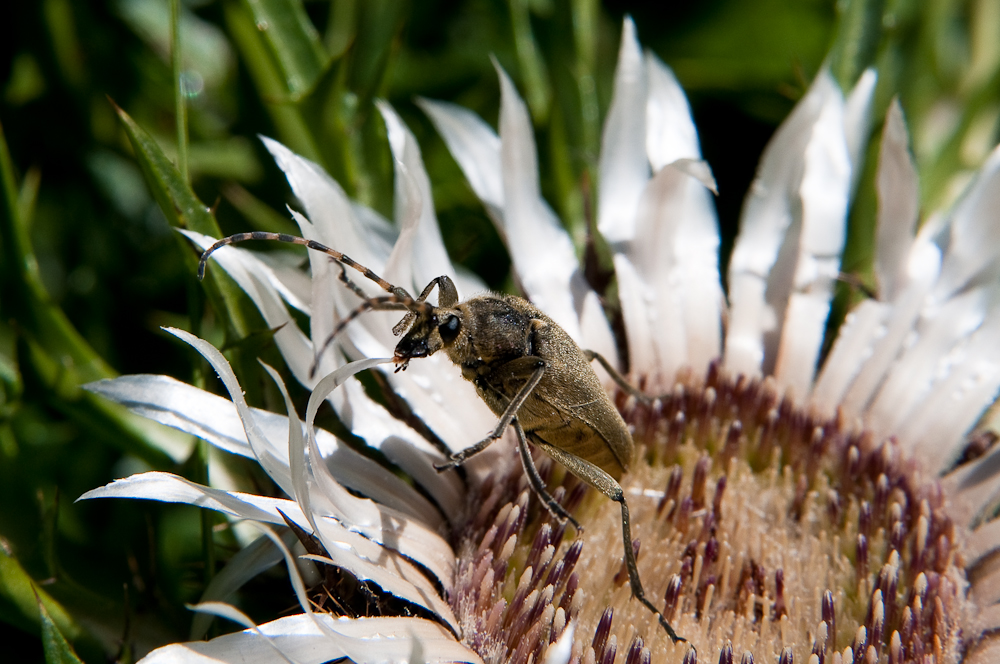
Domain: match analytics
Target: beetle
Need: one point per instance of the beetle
(524, 366)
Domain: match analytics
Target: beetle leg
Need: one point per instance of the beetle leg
(535, 480)
(607, 485)
(616, 376)
(349, 282)
(508, 416)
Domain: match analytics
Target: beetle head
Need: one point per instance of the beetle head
(430, 332)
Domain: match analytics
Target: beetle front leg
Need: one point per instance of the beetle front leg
(536, 366)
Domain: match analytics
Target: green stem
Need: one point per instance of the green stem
(180, 103)
(859, 29)
(536, 84)
(292, 128)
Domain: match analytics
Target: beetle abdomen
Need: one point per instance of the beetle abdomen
(577, 438)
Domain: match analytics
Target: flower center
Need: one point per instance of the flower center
(763, 530)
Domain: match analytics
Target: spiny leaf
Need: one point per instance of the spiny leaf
(57, 649)
(181, 207)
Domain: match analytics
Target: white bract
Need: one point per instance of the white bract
(921, 361)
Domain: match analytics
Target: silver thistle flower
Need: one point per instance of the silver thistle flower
(786, 510)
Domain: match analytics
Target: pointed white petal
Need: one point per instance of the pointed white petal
(473, 144)
(314, 639)
(296, 449)
(982, 542)
(768, 212)
(248, 562)
(911, 378)
(636, 297)
(824, 195)
(413, 195)
(691, 238)
(324, 202)
(272, 463)
(700, 171)
(670, 131)
(851, 351)
(972, 489)
(364, 558)
(922, 270)
(539, 247)
(653, 282)
(936, 430)
(378, 523)
(788, 250)
(291, 280)
(216, 420)
(624, 166)
(169, 488)
(974, 248)
(898, 204)
(184, 407)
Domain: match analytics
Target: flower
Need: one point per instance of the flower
(808, 511)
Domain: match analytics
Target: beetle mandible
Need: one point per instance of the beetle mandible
(526, 368)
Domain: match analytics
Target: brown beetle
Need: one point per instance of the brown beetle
(526, 368)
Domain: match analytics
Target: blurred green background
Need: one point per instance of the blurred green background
(91, 267)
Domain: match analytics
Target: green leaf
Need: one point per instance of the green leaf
(293, 41)
(181, 207)
(157, 445)
(26, 299)
(57, 649)
(20, 598)
(261, 216)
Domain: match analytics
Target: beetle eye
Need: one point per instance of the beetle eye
(449, 329)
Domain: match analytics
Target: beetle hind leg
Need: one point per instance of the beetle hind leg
(607, 485)
(535, 480)
(616, 376)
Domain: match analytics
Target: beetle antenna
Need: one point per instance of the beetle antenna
(343, 259)
(383, 303)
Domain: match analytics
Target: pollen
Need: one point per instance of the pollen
(763, 532)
